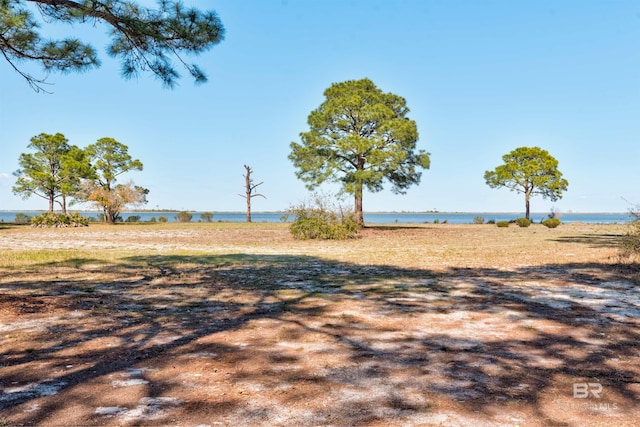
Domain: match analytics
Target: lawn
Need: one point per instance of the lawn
(239, 324)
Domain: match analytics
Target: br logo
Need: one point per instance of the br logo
(583, 390)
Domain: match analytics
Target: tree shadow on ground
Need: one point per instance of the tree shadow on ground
(594, 240)
(361, 344)
(397, 227)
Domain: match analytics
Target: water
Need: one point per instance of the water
(372, 218)
(468, 217)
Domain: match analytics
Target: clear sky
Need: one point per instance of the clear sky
(480, 77)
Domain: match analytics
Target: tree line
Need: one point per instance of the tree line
(360, 137)
(66, 174)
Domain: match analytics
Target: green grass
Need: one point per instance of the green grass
(63, 257)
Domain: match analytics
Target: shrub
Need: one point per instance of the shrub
(491, 221)
(436, 221)
(523, 222)
(206, 217)
(478, 220)
(502, 224)
(133, 218)
(162, 219)
(152, 220)
(59, 220)
(184, 216)
(630, 243)
(22, 219)
(319, 220)
(551, 222)
(554, 213)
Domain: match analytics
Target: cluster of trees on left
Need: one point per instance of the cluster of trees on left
(65, 174)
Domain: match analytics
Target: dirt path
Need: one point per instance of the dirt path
(244, 326)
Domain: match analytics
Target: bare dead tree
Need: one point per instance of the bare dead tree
(250, 187)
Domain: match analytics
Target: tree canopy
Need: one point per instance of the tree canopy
(360, 137)
(110, 160)
(531, 171)
(144, 39)
(58, 170)
(54, 171)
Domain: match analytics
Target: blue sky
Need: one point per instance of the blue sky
(480, 77)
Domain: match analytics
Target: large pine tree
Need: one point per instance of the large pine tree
(360, 137)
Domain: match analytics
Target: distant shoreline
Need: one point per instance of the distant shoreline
(365, 212)
(369, 217)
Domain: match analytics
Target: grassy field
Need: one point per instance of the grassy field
(239, 324)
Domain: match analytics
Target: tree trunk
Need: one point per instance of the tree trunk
(247, 179)
(527, 196)
(112, 218)
(64, 204)
(109, 218)
(249, 187)
(360, 162)
(51, 201)
(358, 205)
(107, 215)
(248, 209)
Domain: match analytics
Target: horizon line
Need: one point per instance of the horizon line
(285, 211)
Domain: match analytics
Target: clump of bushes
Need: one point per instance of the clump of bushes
(502, 224)
(184, 216)
(523, 222)
(22, 219)
(321, 220)
(162, 219)
(551, 222)
(206, 217)
(630, 243)
(478, 220)
(59, 220)
(133, 218)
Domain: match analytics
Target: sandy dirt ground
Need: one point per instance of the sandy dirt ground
(206, 325)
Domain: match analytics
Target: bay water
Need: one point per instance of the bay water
(371, 218)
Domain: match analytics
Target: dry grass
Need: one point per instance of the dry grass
(420, 246)
(239, 324)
